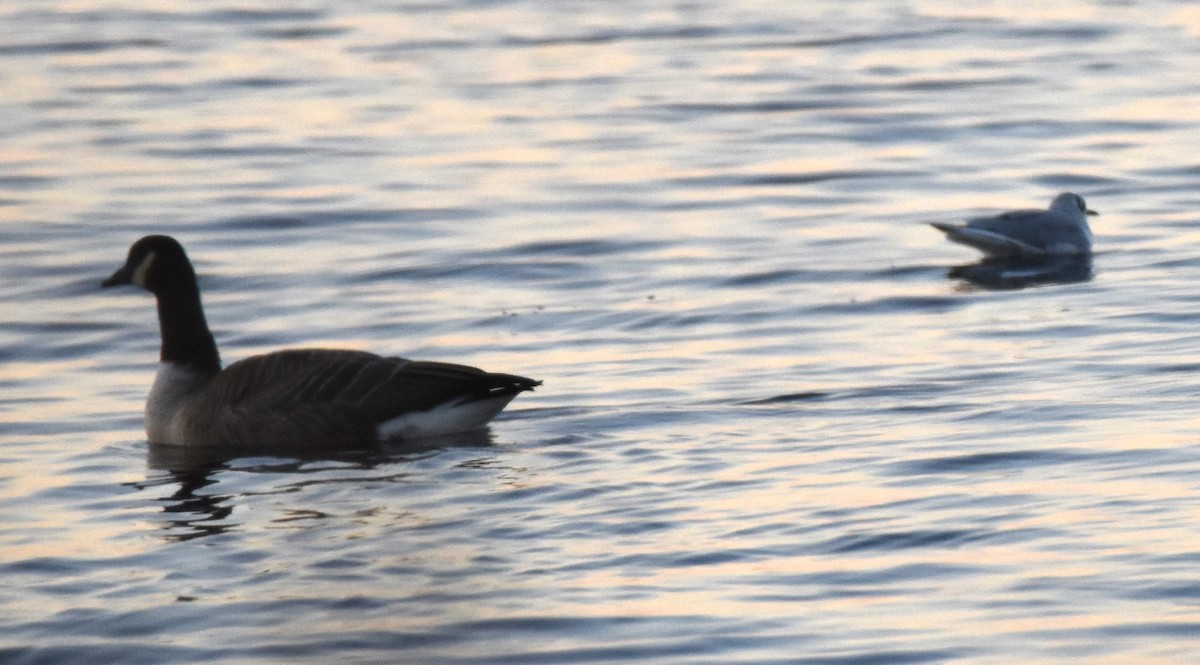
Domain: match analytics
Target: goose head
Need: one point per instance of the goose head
(155, 263)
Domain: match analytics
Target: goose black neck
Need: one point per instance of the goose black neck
(186, 339)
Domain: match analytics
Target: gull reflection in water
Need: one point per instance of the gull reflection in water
(1006, 274)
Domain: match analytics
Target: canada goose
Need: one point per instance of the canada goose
(1029, 234)
(296, 398)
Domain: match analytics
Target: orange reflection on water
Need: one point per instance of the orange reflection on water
(1188, 17)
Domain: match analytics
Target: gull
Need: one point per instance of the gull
(1029, 234)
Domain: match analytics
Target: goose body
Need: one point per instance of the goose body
(1029, 234)
(298, 398)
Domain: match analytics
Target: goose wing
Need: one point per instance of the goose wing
(335, 395)
(380, 386)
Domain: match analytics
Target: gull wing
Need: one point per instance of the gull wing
(989, 242)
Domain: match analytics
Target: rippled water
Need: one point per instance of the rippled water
(773, 428)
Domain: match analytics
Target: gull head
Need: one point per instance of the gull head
(1071, 205)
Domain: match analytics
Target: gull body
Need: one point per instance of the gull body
(1062, 230)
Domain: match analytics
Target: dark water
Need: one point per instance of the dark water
(773, 429)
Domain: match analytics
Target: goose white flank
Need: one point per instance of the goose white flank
(301, 398)
(1029, 234)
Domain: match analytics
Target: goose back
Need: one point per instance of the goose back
(335, 397)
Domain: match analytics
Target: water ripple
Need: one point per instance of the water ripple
(782, 422)
(987, 462)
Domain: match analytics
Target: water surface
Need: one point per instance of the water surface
(774, 428)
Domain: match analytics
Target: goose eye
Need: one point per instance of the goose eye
(1082, 205)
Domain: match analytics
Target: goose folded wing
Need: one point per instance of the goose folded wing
(375, 386)
(290, 427)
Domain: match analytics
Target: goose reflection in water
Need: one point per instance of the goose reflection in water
(193, 459)
(1007, 274)
(193, 510)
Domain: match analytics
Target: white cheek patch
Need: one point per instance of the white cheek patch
(139, 275)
